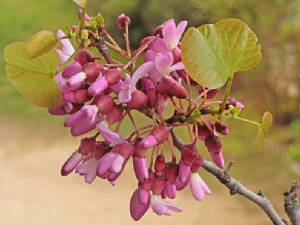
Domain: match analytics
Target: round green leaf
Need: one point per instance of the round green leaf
(212, 52)
(267, 122)
(33, 78)
(41, 43)
(80, 3)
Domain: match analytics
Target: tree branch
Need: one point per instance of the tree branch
(236, 187)
(291, 204)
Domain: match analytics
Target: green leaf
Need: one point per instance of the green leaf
(98, 19)
(41, 43)
(33, 78)
(81, 3)
(267, 122)
(195, 114)
(263, 131)
(260, 140)
(212, 52)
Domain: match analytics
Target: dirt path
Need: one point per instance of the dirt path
(33, 192)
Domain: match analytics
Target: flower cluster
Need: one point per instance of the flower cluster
(98, 95)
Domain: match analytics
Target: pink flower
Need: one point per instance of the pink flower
(83, 120)
(164, 61)
(115, 159)
(198, 187)
(88, 169)
(161, 207)
(129, 83)
(137, 208)
(140, 168)
(67, 48)
(158, 135)
(172, 34)
(112, 137)
(218, 159)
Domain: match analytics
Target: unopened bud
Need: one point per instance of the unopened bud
(92, 71)
(138, 100)
(213, 143)
(122, 20)
(221, 128)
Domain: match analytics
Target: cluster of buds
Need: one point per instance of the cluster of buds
(98, 95)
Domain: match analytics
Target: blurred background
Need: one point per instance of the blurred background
(34, 144)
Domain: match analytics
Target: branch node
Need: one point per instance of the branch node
(291, 204)
(228, 168)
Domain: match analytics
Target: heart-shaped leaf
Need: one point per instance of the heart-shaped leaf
(212, 52)
(33, 78)
(81, 3)
(41, 43)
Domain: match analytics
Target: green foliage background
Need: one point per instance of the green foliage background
(273, 86)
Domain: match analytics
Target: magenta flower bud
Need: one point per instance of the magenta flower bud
(100, 150)
(178, 91)
(114, 115)
(218, 159)
(126, 150)
(221, 128)
(197, 164)
(150, 90)
(149, 142)
(138, 209)
(210, 93)
(174, 87)
(159, 165)
(105, 163)
(140, 168)
(183, 172)
(122, 20)
(143, 195)
(71, 163)
(157, 185)
(171, 172)
(213, 143)
(232, 101)
(83, 121)
(160, 133)
(84, 56)
(92, 71)
(112, 76)
(180, 185)
(79, 96)
(138, 100)
(104, 103)
(170, 190)
(188, 155)
(203, 130)
(176, 55)
(57, 111)
(87, 18)
(162, 87)
(71, 70)
(87, 145)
